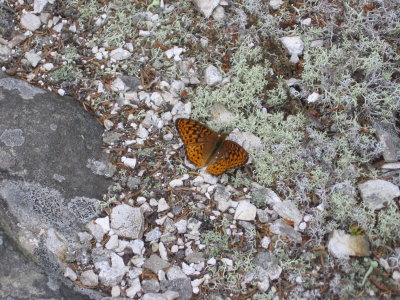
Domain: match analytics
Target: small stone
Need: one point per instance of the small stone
(281, 228)
(265, 242)
(288, 210)
(33, 58)
(376, 193)
(47, 66)
(343, 245)
(30, 22)
(112, 242)
(137, 246)
(142, 132)
(269, 263)
(155, 263)
(127, 221)
(129, 162)
(115, 291)
(206, 7)
(134, 288)
(223, 198)
(153, 235)
(245, 211)
(275, 4)
(162, 205)
(306, 22)
(175, 272)
(89, 278)
(219, 14)
(294, 45)
(194, 257)
(212, 76)
(117, 85)
(104, 223)
(314, 97)
(39, 5)
(96, 230)
(111, 137)
(163, 251)
(110, 276)
(175, 53)
(69, 273)
(120, 54)
(181, 226)
(175, 183)
(150, 285)
(263, 215)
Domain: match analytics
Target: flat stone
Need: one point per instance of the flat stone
(175, 272)
(288, 210)
(30, 21)
(89, 278)
(40, 150)
(155, 263)
(150, 285)
(127, 221)
(281, 228)
(245, 211)
(110, 276)
(206, 7)
(269, 263)
(182, 286)
(376, 193)
(134, 288)
(120, 54)
(153, 235)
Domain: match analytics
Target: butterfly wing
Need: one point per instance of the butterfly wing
(200, 142)
(230, 155)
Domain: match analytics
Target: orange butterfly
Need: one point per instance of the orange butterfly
(204, 147)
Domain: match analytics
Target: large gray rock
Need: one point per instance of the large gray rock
(48, 186)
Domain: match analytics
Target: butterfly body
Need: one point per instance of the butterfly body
(205, 147)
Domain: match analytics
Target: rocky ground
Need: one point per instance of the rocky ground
(309, 88)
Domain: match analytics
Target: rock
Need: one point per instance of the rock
(265, 242)
(343, 245)
(30, 22)
(96, 230)
(314, 97)
(33, 58)
(142, 132)
(112, 242)
(223, 198)
(5, 52)
(127, 221)
(150, 285)
(269, 263)
(120, 54)
(153, 235)
(221, 114)
(206, 7)
(387, 135)
(104, 223)
(281, 228)
(39, 5)
(162, 205)
(175, 183)
(181, 226)
(246, 139)
(133, 183)
(115, 291)
(288, 210)
(194, 257)
(263, 215)
(69, 273)
(134, 288)
(137, 246)
(32, 200)
(181, 285)
(175, 52)
(175, 272)
(376, 193)
(129, 162)
(89, 278)
(275, 4)
(219, 14)
(168, 295)
(155, 263)
(212, 76)
(294, 45)
(245, 211)
(110, 276)
(117, 85)
(111, 137)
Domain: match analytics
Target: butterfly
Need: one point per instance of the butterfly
(205, 147)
